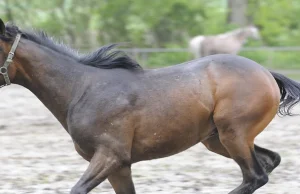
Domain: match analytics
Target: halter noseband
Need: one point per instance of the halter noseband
(3, 69)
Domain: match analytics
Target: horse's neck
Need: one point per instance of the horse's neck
(242, 36)
(230, 33)
(50, 76)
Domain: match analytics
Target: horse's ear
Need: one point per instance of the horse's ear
(2, 27)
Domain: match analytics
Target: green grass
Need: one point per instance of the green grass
(294, 76)
(275, 59)
(156, 60)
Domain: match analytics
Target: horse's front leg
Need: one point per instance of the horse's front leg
(121, 181)
(104, 163)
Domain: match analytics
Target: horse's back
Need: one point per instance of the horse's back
(231, 62)
(238, 70)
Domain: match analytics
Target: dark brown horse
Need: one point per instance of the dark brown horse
(118, 114)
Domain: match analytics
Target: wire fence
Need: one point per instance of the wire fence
(283, 59)
(270, 55)
(176, 50)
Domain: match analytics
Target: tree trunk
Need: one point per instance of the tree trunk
(237, 12)
(253, 6)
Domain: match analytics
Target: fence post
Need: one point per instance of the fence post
(144, 58)
(270, 57)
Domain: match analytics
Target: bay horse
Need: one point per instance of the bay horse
(227, 43)
(118, 113)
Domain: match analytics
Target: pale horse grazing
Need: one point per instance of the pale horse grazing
(227, 43)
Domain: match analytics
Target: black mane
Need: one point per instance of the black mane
(105, 57)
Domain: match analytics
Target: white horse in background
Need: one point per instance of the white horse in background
(227, 43)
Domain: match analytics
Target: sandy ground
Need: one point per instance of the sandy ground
(37, 156)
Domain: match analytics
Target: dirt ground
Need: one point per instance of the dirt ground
(37, 156)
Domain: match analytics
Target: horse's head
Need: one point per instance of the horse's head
(253, 32)
(8, 45)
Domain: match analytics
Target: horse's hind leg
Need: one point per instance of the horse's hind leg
(242, 151)
(237, 135)
(267, 158)
(213, 144)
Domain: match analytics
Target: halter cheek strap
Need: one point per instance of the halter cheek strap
(3, 69)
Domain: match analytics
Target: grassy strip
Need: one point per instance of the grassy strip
(269, 59)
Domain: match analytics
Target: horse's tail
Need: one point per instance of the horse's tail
(195, 46)
(290, 93)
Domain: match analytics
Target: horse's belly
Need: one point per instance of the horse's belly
(168, 141)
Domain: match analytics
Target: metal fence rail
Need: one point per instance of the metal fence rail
(175, 50)
(142, 54)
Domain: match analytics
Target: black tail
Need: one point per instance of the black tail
(290, 93)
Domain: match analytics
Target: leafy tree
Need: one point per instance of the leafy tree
(168, 23)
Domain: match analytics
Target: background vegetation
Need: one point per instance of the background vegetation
(163, 23)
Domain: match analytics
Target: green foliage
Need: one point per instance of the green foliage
(275, 59)
(156, 60)
(269, 59)
(168, 23)
(278, 21)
